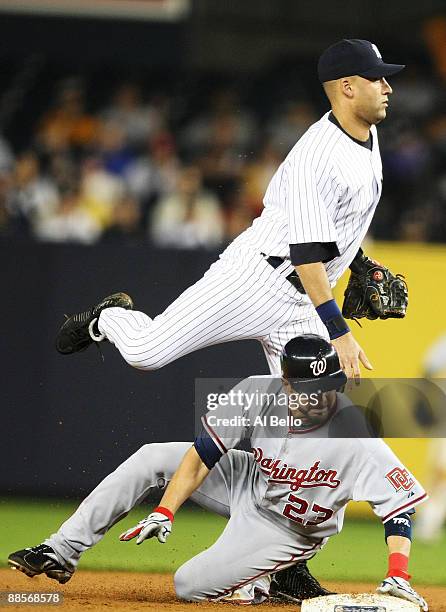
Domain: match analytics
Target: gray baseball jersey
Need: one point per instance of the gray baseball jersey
(283, 500)
(301, 483)
(318, 207)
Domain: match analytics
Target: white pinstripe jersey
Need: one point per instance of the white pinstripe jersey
(326, 190)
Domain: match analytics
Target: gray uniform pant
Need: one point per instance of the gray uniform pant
(250, 546)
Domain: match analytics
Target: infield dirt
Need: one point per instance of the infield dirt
(136, 591)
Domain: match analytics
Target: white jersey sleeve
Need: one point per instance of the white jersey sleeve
(385, 482)
(309, 195)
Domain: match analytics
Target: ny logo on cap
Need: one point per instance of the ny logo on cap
(376, 50)
(318, 366)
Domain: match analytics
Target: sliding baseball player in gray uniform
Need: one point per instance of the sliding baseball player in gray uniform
(275, 280)
(283, 500)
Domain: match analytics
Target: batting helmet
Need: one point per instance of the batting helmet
(310, 363)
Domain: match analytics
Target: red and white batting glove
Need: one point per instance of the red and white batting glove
(399, 587)
(158, 524)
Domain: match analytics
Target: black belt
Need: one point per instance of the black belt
(293, 278)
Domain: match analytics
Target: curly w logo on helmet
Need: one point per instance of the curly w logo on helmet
(318, 366)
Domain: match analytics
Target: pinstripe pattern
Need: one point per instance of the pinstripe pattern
(326, 190)
(250, 305)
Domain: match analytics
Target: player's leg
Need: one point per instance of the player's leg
(250, 548)
(231, 302)
(147, 470)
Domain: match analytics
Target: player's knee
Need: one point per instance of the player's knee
(154, 455)
(159, 460)
(149, 452)
(148, 465)
(184, 587)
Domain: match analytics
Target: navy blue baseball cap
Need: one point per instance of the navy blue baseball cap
(354, 57)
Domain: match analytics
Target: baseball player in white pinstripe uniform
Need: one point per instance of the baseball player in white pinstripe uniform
(275, 280)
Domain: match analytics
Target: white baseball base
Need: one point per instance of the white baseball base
(364, 602)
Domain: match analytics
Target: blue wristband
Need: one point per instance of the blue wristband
(332, 318)
(400, 525)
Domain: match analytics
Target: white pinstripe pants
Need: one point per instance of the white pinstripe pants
(235, 299)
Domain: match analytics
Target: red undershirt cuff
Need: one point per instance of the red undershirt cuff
(165, 511)
(398, 566)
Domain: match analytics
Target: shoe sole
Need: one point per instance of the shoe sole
(15, 565)
(283, 597)
(22, 568)
(279, 596)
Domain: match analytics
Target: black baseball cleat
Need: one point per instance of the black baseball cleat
(295, 583)
(80, 330)
(39, 560)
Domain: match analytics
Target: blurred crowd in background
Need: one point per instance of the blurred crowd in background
(146, 168)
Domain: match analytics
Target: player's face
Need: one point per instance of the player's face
(315, 408)
(371, 98)
(320, 408)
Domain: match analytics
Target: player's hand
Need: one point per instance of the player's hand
(398, 587)
(156, 524)
(350, 354)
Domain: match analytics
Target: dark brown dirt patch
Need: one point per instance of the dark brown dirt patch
(130, 591)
